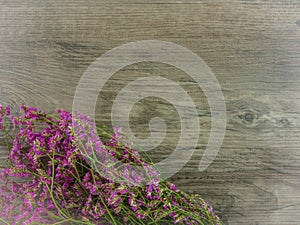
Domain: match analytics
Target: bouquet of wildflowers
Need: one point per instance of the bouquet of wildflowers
(59, 171)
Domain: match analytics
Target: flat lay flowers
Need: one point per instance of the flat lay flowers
(63, 169)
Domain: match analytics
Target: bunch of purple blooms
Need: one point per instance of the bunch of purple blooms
(59, 171)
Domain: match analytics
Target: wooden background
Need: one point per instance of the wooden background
(253, 48)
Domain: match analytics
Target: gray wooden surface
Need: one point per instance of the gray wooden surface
(253, 48)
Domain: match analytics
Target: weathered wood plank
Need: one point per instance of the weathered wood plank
(253, 48)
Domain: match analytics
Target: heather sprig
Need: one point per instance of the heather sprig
(71, 174)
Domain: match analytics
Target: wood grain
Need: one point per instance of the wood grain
(253, 48)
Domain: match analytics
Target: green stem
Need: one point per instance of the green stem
(103, 202)
(4, 221)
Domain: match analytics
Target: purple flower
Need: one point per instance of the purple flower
(63, 163)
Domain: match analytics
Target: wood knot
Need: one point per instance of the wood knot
(248, 116)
